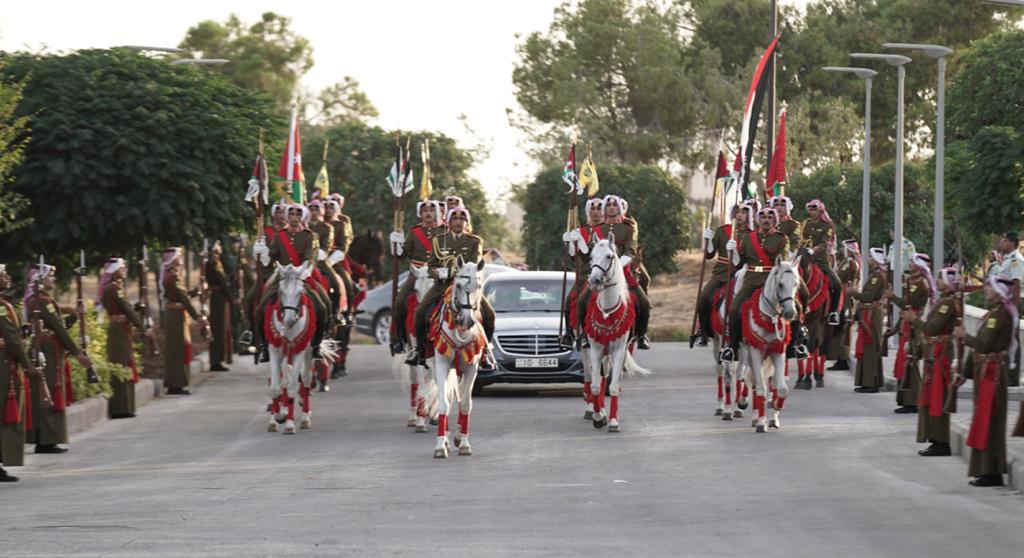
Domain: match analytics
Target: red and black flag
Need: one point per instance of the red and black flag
(751, 113)
(775, 183)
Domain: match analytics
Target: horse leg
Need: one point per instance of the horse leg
(307, 411)
(275, 391)
(756, 363)
(727, 374)
(293, 392)
(782, 390)
(618, 358)
(466, 407)
(441, 367)
(588, 380)
(599, 420)
(819, 377)
(414, 386)
(421, 402)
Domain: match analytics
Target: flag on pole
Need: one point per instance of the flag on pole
(775, 183)
(426, 186)
(751, 113)
(259, 188)
(588, 176)
(323, 181)
(569, 171)
(291, 162)
(400, 178)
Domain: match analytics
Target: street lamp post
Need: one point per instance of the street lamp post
(1007, 2)
(200, 61)
(865, 202)
(938, 235)
(897, 252)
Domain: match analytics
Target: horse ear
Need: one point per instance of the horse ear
(611, 238)
(779, 259)
(305, 270)
(480, 265)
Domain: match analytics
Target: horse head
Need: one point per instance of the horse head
(781, 286)
(368, 250)
(466, 293)
(604, 264)
(290, 290)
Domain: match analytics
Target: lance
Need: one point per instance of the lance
(703, 266)
(570, 224)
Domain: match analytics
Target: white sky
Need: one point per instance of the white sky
(422, 63)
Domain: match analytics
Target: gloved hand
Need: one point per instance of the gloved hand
(335, 257)
(570, 244)
(397, 240)
(731, 245)
(261, 252)
(582, 244)
(624, 260)
(708, 234)
(442, 273)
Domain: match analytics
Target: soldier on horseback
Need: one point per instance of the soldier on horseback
(417, 248)
(757, 251)
(582, 240)
(819, 233)
(715, 247)
(454, 247)
(626, 236)
(342, 225)
(787, 224)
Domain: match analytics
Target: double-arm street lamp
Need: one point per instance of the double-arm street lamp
(897, 255)
(865, 203)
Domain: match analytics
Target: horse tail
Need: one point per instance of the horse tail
(631, 369)
(329, 350)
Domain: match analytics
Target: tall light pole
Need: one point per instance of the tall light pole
(200, 61)
(938, 235)
(897, 251)
(865, 202)
(1007, 2)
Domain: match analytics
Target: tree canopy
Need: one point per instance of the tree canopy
(127, 149)
(13, 138)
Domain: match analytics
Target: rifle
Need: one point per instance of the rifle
(39, 362)
(703, 265)
(958, 379)
(143, 306)
(83, 339)
(204, 291)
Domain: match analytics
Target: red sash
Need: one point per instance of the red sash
(863, 333)
(421, 236)
(933, 395)
(755, 240)
(728, 230)
(586, 231)
(288, 247)
(900, 370)
(985, 402)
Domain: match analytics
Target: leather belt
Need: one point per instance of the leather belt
(722, 259)
(175, 306)
(992, 357)
(760, 268)
(118, 318)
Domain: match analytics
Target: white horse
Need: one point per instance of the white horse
(728, 372)
(459, 343)
(766, 334)
(418, 380)
(609, 320)
(292, 322)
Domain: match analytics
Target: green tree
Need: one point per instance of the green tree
(656, 201)
(13, 138)
(127, 149)
(267, 56)
(358, 161)
(341, 103)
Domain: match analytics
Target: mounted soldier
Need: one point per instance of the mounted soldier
(624, 230)
(715, 247)
(417, 249)
(580, 241)
(818, 233)
(788, 226)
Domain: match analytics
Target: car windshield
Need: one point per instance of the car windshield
(526, 295)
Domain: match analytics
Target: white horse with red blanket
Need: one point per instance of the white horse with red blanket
(766, 333)
(418, 380)
(458, 340)
(610, 318)
(289, 325)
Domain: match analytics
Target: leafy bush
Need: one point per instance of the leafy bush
(96, 332)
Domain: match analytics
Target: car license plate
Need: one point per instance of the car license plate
(536, 363)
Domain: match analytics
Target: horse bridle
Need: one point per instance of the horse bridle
(457, 305)
(605, 273)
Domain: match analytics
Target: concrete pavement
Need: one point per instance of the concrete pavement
(199, 475)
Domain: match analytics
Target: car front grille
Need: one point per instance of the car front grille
(531, 344)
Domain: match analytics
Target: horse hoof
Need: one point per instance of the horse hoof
(465, 450)
(600, 423)
(727, 416)
(614, 428)
(306, 424)
(289, 427)
(433, 422)
(719, 412)
(760, 429)
(741, 406)
(737, 414)
(421, 428)
(410, 423)
(441, 453)
(774, 424)
(588, 415)
(272, 427)
(753, 422)
(324, 388)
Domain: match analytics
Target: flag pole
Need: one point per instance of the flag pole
(703, 265)
(569, 221)
(396, 205)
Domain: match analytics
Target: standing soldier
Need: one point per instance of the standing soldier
(758, 251)
(220, 310)
(582, 239)
(715, 247)
(623, 230)
(819, 234)
(416, 248)
(848, 270)
(454, 244)
(120, 349)
(994, 344)
(918, 293)
(49, 423)
(939, 349)
(787, 224)
(1007, 262)
(178, 310)
(14, 365)
(868, 376)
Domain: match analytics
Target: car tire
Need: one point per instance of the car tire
(382, 327)
(478, 388)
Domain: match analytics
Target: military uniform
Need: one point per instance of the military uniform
(417, 249)
(817, 234)
(626, 237)
(719, 275)
(758, 252)
(988, 368)
(296, 248)
(792, 230)
(909, 378)
(869, 331)
(590, 234)
(120, 349)
(178, 310)
(343, 235)
(838, 348)
(49, 424)
(220, 313)
(938, 346)
(14, 364)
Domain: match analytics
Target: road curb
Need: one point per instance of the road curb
(87, 413)
(958, 429)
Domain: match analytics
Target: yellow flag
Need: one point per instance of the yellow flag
(323, 183)
(588, 177)
(426, 186)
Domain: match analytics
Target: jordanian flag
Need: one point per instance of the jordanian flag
(569, 171)
(291, 163)
(775, 183)
(751, 113)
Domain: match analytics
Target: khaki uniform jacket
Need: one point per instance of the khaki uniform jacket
(12, 358)
(773, 244)
(791, 228)
(626, 237)
(324, 235)
(303, 241)
(414, 250)
(342, 232)
(449, 247)
(817, 235)
(722, 236)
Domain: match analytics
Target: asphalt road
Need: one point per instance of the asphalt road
(199, 475)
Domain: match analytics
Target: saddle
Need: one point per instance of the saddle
(751, 312)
